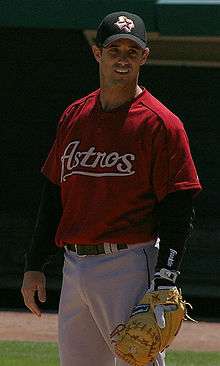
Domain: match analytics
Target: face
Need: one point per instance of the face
(120, 62)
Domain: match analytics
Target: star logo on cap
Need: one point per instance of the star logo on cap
(125, 24)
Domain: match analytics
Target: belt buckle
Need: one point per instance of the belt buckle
(79, 255)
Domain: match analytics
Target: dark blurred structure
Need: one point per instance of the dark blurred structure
(45, 69)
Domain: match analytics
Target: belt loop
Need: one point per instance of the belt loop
(107, 248)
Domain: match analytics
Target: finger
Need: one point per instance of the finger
(41, 291)
(32, 306)
(159, 315)
(30, 302)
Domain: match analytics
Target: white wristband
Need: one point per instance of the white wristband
(167, 274)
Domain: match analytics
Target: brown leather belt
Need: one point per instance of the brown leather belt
(95, 249)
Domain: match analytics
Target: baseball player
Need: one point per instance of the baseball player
(119, 187)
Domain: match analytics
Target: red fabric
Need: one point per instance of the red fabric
(113, 167)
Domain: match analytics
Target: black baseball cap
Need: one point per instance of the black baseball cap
(121, 25)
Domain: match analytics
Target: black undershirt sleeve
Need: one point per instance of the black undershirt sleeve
(175, 215)
(42, 247)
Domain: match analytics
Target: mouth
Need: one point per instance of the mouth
(122, 71)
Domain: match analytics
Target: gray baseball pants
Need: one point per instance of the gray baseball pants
(98, 293)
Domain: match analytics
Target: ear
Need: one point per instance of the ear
(97, 52)
(145, 56)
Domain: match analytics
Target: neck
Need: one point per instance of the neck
(113, 97)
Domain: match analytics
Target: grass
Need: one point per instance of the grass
(181, 358)
(28, 354)
(46, 354)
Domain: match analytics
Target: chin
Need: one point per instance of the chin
(120, 82)
(122, 78)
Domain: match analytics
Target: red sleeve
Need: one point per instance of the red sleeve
(51, 167)
(173, 166)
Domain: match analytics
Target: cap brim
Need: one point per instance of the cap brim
(115, 37)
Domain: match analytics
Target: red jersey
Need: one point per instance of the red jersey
(114, 167)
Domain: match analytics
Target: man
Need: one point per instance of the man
(122, 169)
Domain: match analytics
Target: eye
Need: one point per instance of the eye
(133, 52)
(113, 50)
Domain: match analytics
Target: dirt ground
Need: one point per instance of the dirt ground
(23, 326)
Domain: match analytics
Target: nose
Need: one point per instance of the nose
(123, 58)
